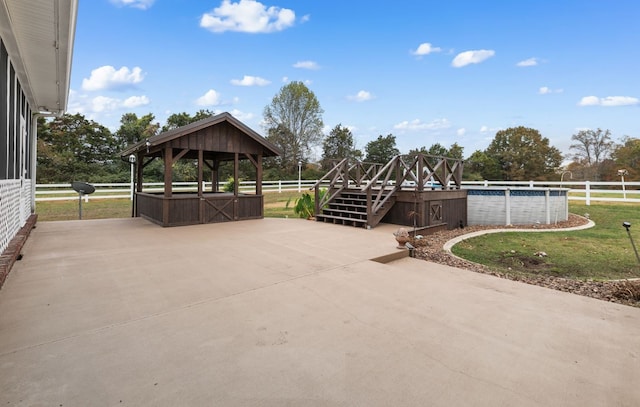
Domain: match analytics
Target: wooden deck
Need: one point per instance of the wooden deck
(420, 191)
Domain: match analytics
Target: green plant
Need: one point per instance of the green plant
(305, 206)
(229, 186)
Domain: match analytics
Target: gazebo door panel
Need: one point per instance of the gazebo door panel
(219, 209)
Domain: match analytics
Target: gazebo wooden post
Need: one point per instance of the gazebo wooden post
(214, 176)
(168, 167)
(139, 181)
(139, 170)
(236, 184)
(259, 176)
(200, 186)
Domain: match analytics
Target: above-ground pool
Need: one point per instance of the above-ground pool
(516, 206)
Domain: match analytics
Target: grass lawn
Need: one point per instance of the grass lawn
(602, 252)
(274, 207)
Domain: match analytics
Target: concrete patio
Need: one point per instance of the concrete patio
(279, 312)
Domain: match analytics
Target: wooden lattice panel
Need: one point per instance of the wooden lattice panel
(9, 211)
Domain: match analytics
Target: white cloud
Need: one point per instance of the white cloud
(211, 98)
(608, 101)
(135, 101)
(76, 102)
(248, 16)
(416, 124)
(487, 129)
(461, 131)
(528, 62)
(306, 65)
(425, 49)
(471, 57)
(81, 103)
(248, 80)
(361, 96)
(242, 116)
(141, 4)
(103, 103)
(106, 77)
(545, 90)
(285, 79)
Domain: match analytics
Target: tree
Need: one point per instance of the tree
(72, 148)
(182, 119)
(591, 148)
(456, 151)
(479, 166)
(381, 150)
(627, 156)
(133, 129)
(293, 122)
(438, 150)
(523, 154)
(337, 145)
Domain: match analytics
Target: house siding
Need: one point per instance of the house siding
(16, 158)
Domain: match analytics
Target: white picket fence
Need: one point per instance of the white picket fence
(61, 192)
(587, 191)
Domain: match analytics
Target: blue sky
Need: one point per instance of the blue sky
(425, 71)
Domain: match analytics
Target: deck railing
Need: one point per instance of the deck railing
(381, 182)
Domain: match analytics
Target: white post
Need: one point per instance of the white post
(622, 172)
(132, 161)
(587, 189)
(547, 204)
(299, 176)
(507, 206)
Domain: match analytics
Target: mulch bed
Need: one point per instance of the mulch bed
(626, 292)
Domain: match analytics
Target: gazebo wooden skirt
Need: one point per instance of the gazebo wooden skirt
(190, 209)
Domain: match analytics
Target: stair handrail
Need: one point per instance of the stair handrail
(384, 194)
(325, 177)
(339, 172)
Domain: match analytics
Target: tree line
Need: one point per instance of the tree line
(72, 147)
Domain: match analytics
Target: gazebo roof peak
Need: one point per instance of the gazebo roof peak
(269, 148)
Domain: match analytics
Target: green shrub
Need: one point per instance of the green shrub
(305, 206)
(230, 184)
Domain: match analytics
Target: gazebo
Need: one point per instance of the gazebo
(207, 143)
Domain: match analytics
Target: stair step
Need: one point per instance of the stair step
(341, 220)
(354, 206)
(350, 200)
(346, 214)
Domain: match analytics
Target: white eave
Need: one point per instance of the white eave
(38, 35)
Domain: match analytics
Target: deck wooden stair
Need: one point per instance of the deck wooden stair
(350, 208)
(361, 194)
